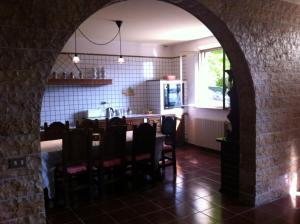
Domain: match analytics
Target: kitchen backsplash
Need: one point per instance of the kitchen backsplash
(69, 102)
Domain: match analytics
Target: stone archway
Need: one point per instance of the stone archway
(34, 32)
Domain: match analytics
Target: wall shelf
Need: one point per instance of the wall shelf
(91, 82)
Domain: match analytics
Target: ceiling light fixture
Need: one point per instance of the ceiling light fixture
(76, 58)
(120, 59)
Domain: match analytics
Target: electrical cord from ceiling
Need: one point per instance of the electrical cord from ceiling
(108, 42)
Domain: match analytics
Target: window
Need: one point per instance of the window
(212, 91)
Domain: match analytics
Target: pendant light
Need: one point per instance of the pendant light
(76, 58)
(120, 59)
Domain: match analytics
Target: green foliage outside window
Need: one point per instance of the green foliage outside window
(215, 65)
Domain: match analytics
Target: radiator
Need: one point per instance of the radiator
(206, 132)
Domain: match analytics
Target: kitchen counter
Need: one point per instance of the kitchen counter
(130, 116)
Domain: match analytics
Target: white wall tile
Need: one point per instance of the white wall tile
(61, 103)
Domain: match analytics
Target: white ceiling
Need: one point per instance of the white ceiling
(147, 21)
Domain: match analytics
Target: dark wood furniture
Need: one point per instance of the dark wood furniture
(112, 152)
(143, 149)
(230, 147)
(168, 153)
(53, 131)
(93, 125)
(76, 165)
(115, 121)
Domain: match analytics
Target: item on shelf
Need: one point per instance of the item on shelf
(95, 73)
(80, 75)
(72, 76)
(129, 111)
(54, 75)
(64, 75)
(170, 77)
(102, 72)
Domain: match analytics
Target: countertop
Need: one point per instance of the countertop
(129, 116)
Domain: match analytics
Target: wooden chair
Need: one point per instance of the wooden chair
(143, 149)
(88, 123)
(53, 131)
(112, 163)
(76, 166)
(93, 125)
(115, 121)
(168, 153)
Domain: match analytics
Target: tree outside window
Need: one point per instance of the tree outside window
(211, 79)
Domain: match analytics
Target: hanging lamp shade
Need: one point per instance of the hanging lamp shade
(121, 60)
(76, 58)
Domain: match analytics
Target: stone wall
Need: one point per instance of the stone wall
(261, 38)
(269, 35)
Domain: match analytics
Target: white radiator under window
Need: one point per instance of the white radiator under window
(206, 132)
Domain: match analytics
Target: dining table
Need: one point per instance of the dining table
(51, 157)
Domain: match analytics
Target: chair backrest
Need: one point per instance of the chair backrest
(144, 139)
(114, 142)
(55, 130)
(88, 123)
(168, 128)
(115, 121)
(168, 125)
(77, 146)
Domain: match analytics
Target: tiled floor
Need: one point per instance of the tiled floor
(192, 198)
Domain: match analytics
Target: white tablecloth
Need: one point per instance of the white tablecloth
(51, 156)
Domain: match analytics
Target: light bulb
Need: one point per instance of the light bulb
(121, 60)
(76, 59)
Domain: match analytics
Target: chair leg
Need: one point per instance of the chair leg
(163, 162)
(67, 190)
(174, 161)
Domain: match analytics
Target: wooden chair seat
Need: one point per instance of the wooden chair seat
(141, 157)
(76, 169)
(112, 163)
(167, 148)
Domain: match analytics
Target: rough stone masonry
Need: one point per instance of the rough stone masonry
(261, 38)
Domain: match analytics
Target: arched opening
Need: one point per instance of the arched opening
(245, 94)
(29, 54)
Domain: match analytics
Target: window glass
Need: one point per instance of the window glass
(211, 79)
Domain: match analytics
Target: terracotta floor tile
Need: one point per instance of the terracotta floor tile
(111, 205)
(201, 205)
(132, 199)
(63, 217)
(138, 220)
(182, 210)
(146, 207)
(124, 214)
(257, 216)
(291, 217)
(102, 219)
(237, 220)
(88, 211)
(192, 197)
(160, 217)
(200, 218)
(166, 202)
(218, 213)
